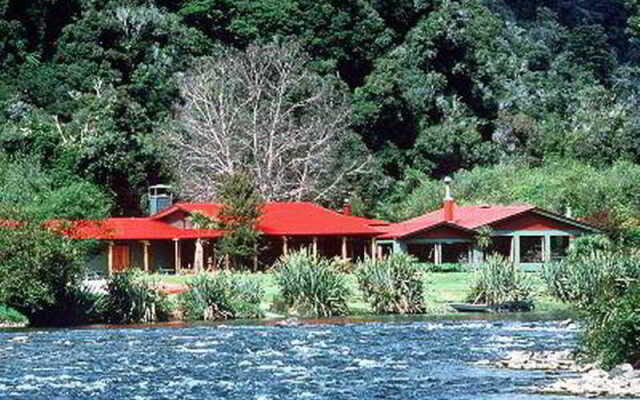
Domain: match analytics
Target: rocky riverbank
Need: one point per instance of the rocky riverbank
(12, 325)
(589, 380)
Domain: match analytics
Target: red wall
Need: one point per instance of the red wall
(443, 232)
(532, 222)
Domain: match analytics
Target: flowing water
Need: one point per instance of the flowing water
(367, 360)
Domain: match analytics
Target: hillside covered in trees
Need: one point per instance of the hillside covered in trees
(101, 98)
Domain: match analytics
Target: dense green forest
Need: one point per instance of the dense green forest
(89, 90)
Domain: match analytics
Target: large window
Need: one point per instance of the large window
(500, 245)
(531, 249)
(424, 252)
(559, 247)
(455, 252)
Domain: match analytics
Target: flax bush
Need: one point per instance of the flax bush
(612, 331)
(132, 298)
(394, 284)
(221, 296)
(499, 284)
(311, 286)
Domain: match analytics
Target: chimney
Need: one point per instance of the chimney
(568, 213)
(346, 210)
(448, 205)
(160, 197)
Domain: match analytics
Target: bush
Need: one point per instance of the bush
(38, 269)
(498, 283)
(392, 285)
(311, 286)
(131, 298)
(612, 334)
(8, 314)
(221, 296)
(591, 276)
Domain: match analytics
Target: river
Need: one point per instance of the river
(405, 359)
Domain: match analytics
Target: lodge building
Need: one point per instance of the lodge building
(168, 241)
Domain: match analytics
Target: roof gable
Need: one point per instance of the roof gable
(476, 216)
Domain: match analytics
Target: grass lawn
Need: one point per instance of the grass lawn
(441, 288)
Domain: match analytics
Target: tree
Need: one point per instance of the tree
(38, 270)
(263, 111)
(242, 207)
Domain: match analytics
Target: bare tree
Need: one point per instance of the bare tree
(262, 111)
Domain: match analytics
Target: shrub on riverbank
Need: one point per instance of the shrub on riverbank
(612, 332)
(497, 282)
(311, 286)
(132, 298)
(392, 285)
(8, 314)
(604, 283)
(588, 277)
(221, 296)
(38, 270)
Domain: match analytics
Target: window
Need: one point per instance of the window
(531, 249)
(424, 252)
(500, 245)
(559, 247)
(455, 252)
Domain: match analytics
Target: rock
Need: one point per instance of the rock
(293, 321)
(620, 370)
(566, 323)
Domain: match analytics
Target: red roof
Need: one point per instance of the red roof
(468, 217)
(279, 218)
(304, 218)
(133, 229)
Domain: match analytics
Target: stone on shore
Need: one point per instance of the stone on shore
(621, 381)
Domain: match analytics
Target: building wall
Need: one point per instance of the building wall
(442, 232)
(533, 222)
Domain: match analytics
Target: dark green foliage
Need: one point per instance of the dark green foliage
(498, 283)
(131, 298)
(394, 284)
(311, 286)
(38, 270)
(612, 332)
(221, 296)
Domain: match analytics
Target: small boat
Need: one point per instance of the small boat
(469, 307)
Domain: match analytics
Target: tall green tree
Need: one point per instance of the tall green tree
(242, 206)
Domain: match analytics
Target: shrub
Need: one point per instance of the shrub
(311, 286)
(612, 334)
(8, 314)
(131, 298)
(498, 283)
(392, 285)
(590, 276)
(221, 296)
(38, 268)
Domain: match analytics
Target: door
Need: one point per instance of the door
(120, 257)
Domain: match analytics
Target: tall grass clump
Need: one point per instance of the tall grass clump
(311, 286)
(221, 296)
(603, 282)
(393, 285)
(499, 284)
(132, 298)
(593, 269)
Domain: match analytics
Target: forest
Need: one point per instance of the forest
(374, 101)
